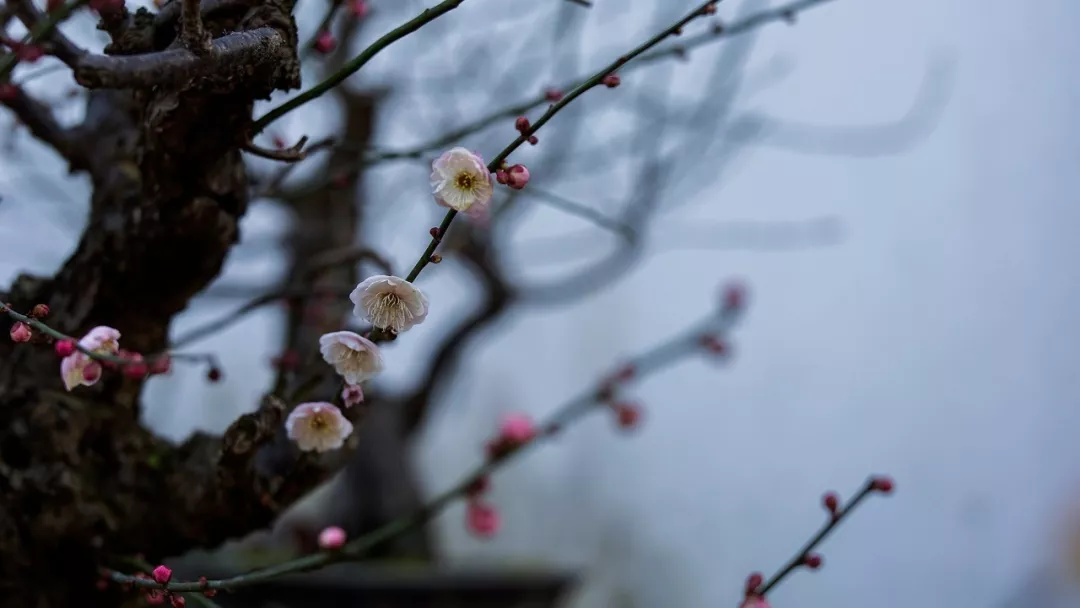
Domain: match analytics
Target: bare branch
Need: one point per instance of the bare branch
(192, 34)
(42, 124)
(246, 56)
(59, 45)
(293, 154)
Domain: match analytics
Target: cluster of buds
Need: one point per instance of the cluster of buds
(627, 413)
(515, 176)
(158, 597)
(20, 331)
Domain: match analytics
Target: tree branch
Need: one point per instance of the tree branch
(42, 124)
(193, 36)
(244, 56)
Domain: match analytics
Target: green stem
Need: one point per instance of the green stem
(355, 64)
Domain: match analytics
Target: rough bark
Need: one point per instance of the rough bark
(78, 474)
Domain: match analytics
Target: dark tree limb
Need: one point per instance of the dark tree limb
(193, 36)
(39, 119)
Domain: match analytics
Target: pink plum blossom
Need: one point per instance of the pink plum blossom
(353, 356)
(318, 426)
(332, 537)
(80, 369)
(481, 519)
(460, 181)
(389, 302)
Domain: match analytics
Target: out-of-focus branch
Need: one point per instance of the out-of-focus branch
(497, 300)
(350, 68)
(43, 125)
(40, 29)
(785, 12)
(652, 361)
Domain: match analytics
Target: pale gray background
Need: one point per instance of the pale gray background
(934, 340)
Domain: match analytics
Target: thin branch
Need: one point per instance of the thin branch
(293, 154)
(652, 361)
(595, 80)
(350, 68)
(799, 559)
(40, 29)
(193, 35)
(780, 13)
(39, 118)
(242, 53)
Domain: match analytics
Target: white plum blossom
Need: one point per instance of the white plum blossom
(318, 426)
(353, 356)
(78, 368)
(460, 180)
(389, 302)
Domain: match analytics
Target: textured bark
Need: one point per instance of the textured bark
(79, 476)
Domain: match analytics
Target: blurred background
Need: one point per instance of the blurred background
(889, 178)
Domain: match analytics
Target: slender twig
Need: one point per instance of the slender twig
(38, 33)
(595, 80)
(356, 63)
(656, 359)
(292, 154)
(193, 35)
(781, 13)
(799, 559)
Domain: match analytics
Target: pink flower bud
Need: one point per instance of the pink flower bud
(831, 502)
(754, 581)
(160, 364)
(20, 332)
(553, 95)
(40, 311)
(332, 538)
(517, 176)
(178, 601)
(155, 597)
(481, 519)
(533, 140)
(628, 415)
(500, 176)
(521, 124)
(611, 81)
(65, 347)
(162, 575)
(352, 395)
(29, 53)
(516, 429)
(882, 484)
(358, 8)
(324, 43)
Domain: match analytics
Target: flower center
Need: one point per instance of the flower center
(465, 180)
(319, 422)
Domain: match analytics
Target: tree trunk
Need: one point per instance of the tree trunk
(79, 476)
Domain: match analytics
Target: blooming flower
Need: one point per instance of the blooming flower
(78, 368)
(353, 356)
(317, 426)
(461, 181)
(389, 302)
(332, 537)
(352, 395)
(482, 519)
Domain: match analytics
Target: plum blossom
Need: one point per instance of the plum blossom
(353, 356)
(460, 180)
(78, 368)
(516, 428)
(389, 302)
(352, 395)
(318, 426)
(20, 332)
